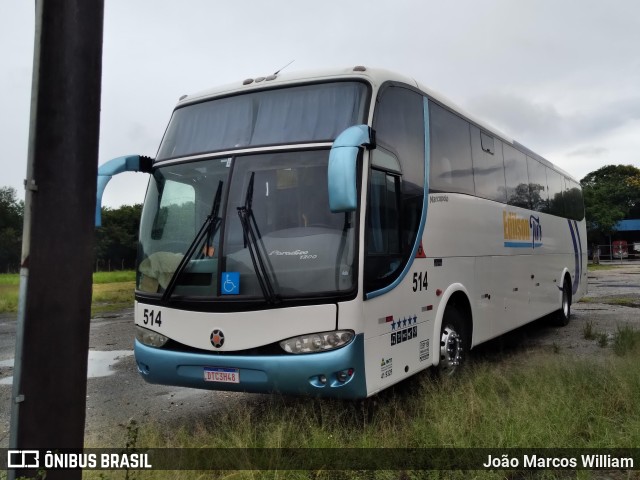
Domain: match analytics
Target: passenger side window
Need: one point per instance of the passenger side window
(515, 172)
(556, 201)
(488, 167)
(382, 225)
(538, 185)
(573, 200)
(576, 192)
(451, 168)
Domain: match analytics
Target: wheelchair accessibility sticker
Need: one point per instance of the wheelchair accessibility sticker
(230, 284)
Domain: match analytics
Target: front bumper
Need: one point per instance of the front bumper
(288, 374)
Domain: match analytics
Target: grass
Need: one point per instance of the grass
(591, 267)
(624, 301)
(8, 298)
(544, 402)
(603, 340)
(626, 340)
(111, 291)
(618, 300)
(114, 277)
(588, 331)
(109, 297)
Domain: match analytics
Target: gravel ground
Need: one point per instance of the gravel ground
(117, 395)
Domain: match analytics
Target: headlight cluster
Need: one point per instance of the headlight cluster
(150, 338)
(317, 342)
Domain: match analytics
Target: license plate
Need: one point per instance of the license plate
(221, 375)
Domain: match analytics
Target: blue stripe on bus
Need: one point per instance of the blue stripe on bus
(521, 245)
(425, 206)
(577, 256)
(579, 246)
(286, 373)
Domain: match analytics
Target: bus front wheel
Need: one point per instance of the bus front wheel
(454, 343)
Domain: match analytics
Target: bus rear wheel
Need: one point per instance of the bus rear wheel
(561, 318)
(453, 343)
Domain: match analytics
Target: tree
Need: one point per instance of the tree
(11, 215)
(117, 239)
(611, 194)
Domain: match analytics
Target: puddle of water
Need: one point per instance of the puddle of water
(100, 364)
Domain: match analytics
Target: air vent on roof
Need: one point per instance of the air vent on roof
(248, 81)
(359, 68)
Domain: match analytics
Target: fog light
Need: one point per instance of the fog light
(344, 375)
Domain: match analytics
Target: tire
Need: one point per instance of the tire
(562, 316)
(454, 343)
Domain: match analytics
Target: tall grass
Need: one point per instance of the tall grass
(8, 298)
(111, 291)
(626, 340)
(549, 401)
(113, 277)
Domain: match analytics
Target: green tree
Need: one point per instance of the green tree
(611, 194)
(11, 215)
(117, 239)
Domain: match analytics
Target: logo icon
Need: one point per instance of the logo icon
(230, 284)
(520, 232)
(217, 338)
(23, 459)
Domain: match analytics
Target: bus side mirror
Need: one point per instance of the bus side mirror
(343, 168)
(129, 163)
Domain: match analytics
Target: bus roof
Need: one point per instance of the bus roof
(375, 76)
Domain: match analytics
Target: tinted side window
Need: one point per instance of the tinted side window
(399, 126)
(515, 172)
(576, 192)
(382, 222)
(488, 168)
(556, 201)
(538, 185)
(451, 167)
(573, 200)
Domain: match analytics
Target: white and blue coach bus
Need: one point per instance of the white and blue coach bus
(333, 233)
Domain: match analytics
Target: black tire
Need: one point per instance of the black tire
(453, 347)
(562, 316)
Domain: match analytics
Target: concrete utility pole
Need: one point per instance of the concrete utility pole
(52, 341)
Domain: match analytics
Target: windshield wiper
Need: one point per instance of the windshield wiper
(209, 228)
(257, 250)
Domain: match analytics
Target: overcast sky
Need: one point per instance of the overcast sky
(561, 77)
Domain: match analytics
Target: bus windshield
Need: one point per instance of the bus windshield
(307, 250)
(306, 113)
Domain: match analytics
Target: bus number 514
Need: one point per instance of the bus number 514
(150, 319)
(419, 281)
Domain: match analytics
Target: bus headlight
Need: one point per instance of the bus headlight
(150, 338)
(317, 342)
